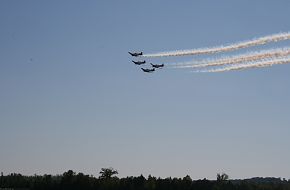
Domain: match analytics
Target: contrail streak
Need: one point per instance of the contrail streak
(252, 56)
(265, 63)
(231, 47)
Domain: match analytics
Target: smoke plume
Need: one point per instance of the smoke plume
(258, 64)
(252, 56)
(231, 47)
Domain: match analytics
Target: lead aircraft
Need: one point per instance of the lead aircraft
(136, 54)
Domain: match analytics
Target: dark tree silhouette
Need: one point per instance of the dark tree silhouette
(222, 177)
(71, 181)
(107, 173)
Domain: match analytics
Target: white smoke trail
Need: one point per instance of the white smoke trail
(231, 47)
(258, 64)
(252, 56)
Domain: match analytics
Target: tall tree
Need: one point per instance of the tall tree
(222, 177)
(107, 173)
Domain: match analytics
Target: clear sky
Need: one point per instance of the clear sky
(70, 98)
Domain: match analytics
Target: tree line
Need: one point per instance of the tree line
(109, 181)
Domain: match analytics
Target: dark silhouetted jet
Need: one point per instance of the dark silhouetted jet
(136, 54)
(139, 62)
(148, 70)
(157, 66)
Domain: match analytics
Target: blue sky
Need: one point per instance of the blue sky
(71, 98)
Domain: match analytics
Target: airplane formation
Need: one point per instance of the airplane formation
(146, 70)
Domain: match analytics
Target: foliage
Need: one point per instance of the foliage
(107, 173)
(222, 177)
(72, 181)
